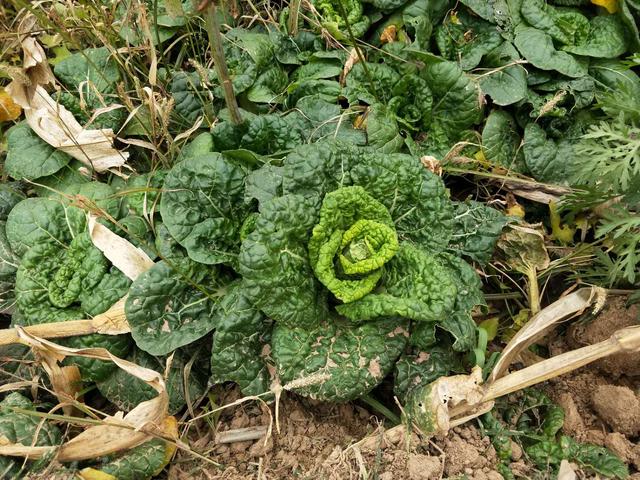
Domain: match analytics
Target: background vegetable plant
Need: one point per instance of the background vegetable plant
(340, 232)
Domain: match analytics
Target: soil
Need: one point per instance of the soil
(318, 440)
(602, 401)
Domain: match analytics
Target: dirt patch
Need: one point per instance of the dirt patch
(601, 401)
(613, 317)
(319, 441)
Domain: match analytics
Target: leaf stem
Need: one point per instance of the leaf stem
(215, 39)
(352, 37)
(534, 291)
(380, 408)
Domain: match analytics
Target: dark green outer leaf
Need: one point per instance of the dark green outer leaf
(166, 311)
(606, 38)
(9, 261)
(10, 196)
(415, 197)
(501, 141)
(546, 159)
(67, 180)
(505, 85)
(112, 287)
(202, 206)
(24, 429)
(263, 184)
(383, 133)
(477, 228)
(537, 47)
(238, 344)
(275, 266)
(144, 191)
(414, 371)
(139, 463)
(29, 157)
(356, 358)
(458, 104)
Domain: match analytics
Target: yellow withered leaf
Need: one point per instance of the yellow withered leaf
(9, 110)
(610, 5)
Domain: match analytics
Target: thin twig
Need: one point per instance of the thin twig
(215, 39)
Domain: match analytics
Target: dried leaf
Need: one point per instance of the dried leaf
(126, 257)
(119, 432)
(9, 110)
(50, 120)
(524, 249)
(566, 471)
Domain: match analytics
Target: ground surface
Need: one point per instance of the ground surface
(319, 440)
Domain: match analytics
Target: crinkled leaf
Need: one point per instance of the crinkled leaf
(383, 133)
(414, 371)
(606, 38)
(476, 228)
(200, 145)
(143, 192)
(548, 160)
(418, 287)
(415, 197)
(202, 206)
(9, 261)
(139, 463)
(192, 98)
(457, 106)
(171, 307)
(112, 287)
(263, 184)
(351, 242)
(92, 76)
(238, 344)
(467, 40)
(356, 358)
(38, 220)
(467, 281)
(566, 26)
(501, 141)
(326, 119)
(275, 266)
(506, 83)
(269, 86)
(463, 329)
(52, 285)
(67, 180)
(24, 429)
(10, 196)
(617, 88)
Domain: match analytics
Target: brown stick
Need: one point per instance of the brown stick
(215, 39)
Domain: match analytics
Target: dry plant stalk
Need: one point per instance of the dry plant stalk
(51, 121)
(452, 401)
(111, 322)
(118, 432)
(540, 324)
